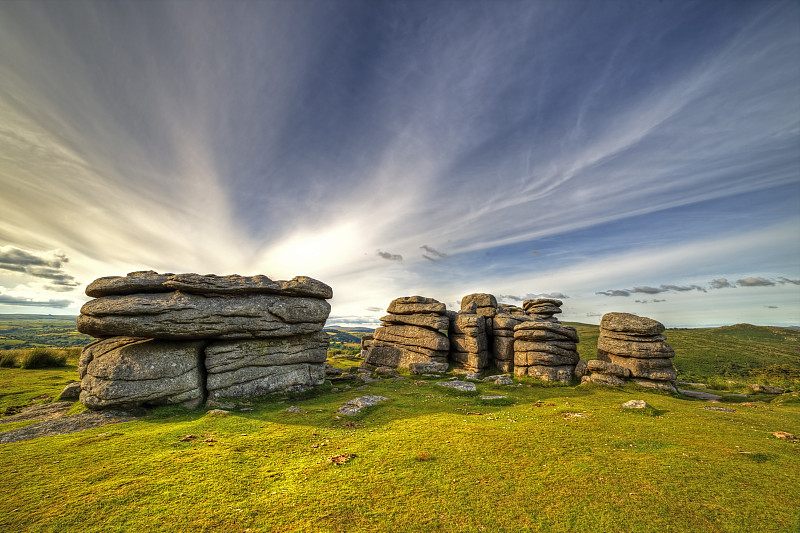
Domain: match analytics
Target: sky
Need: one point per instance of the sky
(622, 155)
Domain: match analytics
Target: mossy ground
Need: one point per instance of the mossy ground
(550, 459)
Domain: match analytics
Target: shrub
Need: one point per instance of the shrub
(7, 360)
(43, 358)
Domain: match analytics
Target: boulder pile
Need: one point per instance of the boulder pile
(469, 343)
(637, 344)
(186, 338)
(504, 322)
(411, 334)
(543, 347)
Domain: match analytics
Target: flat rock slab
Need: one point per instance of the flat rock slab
(67, 424)
(45, 411)
(627, 323)
(183, 316)
(463, 386)
(493, 397)
(720, 409)
(700, 395)
(150, 281)
(354, 406)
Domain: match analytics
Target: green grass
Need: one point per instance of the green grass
(427, 460)
(34, 331)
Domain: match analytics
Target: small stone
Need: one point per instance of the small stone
(493, 397)
(246, 409)
(474, 376)
(218, 412)
(786, 436)
(71, 392)
(294, 409)
(635, 404)
(463, 386)
(720, 409)
(766, 389)
(355, 405)
(399, 379)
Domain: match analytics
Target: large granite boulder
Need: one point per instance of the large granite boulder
(412, 333)
(125, 371)
(185, 316)
(504, 322)
(182, 338)
(637, 344)
(543, 347)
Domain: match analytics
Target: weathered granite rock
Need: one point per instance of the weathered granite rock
(767, 389)
(631, 324)
(356, 405)
(225, 356)
(412, 336)
(366, 342)
(463, 386)
(668, 386)
(480, 304)
(543, 307)
(411, 305)
(429, 321)
(256, 381)
(563, 373)
(581, 369)
(540, 344)
(427, 368)
(71, 392)
(596, 366)
(643, 368)
(182, 316)
(177, 338)
(150, 282)
(123, 371)
(469, 342)
(637, 344)
(603, 379)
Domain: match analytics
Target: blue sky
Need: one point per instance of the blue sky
(635, 156)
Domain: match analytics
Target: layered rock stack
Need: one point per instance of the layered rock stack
(507, 317)
(605, 373)
(637, 344)
(411, 334)
(185, 338)
(469, 344)
(543, 347)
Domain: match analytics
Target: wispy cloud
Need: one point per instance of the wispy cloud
(771, 306)
(389, 256)
(374, 309)
(6, 299)
(754, 282)
(433, 252)
(653, 301)
(782, 280)
(47, 265)
(721, 283)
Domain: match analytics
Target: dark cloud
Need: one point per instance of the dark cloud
(532, 296)
(47, 265)
(433, 251)
(390, 257)
(720, 283)
(429, 258)
(682, 288)
(616, 292)
(784, 281)
(653, 301)
(648, 290)
(754, 282)
(374, 308)
(29, 302)
(771, 306)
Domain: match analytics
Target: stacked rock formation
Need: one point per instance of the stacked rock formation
(637, 344)
(185, 338)
(469, 344)
(507, 317)
(411, 334)
(543, 347)
(605, 373)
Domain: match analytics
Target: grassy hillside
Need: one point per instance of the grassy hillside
(548, 458)
(31, 331)
(545, 458)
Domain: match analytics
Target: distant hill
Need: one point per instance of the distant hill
(32, 331)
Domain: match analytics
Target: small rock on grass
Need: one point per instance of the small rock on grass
(493, 397)
(786, 436)
(71, 392)
(294, 409)
(755, 388)
(218, 412)
(354, 406)
(463, 386)
(635, 404)
(720, 409)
